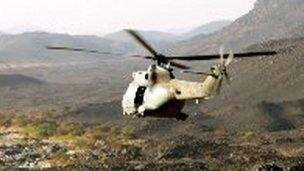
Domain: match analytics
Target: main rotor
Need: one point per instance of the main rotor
(160, 59)
(166, 61)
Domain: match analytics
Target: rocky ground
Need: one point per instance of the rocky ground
(212, 151)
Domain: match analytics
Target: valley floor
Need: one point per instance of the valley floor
(212, 151)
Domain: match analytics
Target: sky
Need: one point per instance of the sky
(105, 16)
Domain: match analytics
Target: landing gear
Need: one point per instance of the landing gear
(181, 116)
(141, 112)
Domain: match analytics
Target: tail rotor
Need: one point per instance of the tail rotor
(223, 73)
(218, 71)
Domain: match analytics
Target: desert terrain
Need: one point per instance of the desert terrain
(62, 110)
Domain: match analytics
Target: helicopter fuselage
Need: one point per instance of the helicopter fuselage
(156, 93)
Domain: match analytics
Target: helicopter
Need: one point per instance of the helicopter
(156, 92)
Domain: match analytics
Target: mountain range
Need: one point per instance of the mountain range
(30, 46)
(158, 36)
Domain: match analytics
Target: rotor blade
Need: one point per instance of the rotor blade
(219, 87)
(139, 56)
(195, 72)
(227, 78)
(222, 55)
(178, 65)
(81, 50)
(144, 43)
(211, 57)
(229, 59)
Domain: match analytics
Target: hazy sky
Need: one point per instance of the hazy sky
(102, 16)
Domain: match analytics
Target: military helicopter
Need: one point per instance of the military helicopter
(157, 93)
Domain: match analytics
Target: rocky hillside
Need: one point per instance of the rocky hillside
(264, 90)
(208, 28)
(269, 20)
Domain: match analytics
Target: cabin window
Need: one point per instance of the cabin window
(147, 76)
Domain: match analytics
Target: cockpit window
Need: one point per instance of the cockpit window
(147, 76)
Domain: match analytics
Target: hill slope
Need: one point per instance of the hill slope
(205, 29)
(264, 90)
(269, 20)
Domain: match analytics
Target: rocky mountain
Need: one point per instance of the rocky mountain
(205, 29)
(296, 32)
(269, 20)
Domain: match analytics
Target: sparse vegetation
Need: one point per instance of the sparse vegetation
(43, 124)
(6, 119)
(248, 133)
(70, 128)
(40, 130)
